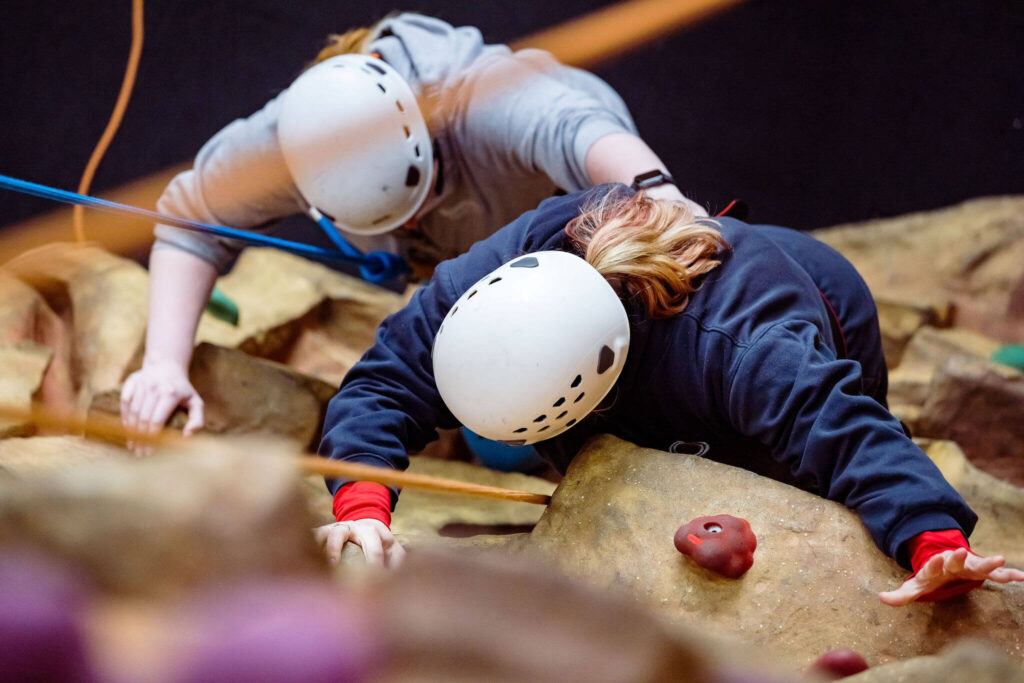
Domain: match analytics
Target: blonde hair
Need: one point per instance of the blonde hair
(353, 41)
(649, 250)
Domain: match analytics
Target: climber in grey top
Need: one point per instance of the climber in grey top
(412, 136)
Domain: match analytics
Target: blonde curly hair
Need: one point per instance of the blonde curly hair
(649, 250)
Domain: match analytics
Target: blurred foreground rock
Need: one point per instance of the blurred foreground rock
(816, 573)
(970, 661)
(296, 311)
(247, 395)
(184, 517)
(970, 255)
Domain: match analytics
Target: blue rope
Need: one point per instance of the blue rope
(375, 266)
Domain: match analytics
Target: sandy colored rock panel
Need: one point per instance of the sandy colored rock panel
(816, 573)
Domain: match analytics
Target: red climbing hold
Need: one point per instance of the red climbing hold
(839, 663)
(720, 543)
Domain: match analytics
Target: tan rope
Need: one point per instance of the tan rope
(78, 212)
(109, 428)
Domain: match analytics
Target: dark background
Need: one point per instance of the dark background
(815, 111)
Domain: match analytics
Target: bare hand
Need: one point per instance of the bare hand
(378, 543)
(949, 566)
(150, 395)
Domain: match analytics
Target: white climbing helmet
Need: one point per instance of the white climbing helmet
(531, 349)
(356, 144)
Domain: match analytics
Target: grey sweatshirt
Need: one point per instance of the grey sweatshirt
(519, 127)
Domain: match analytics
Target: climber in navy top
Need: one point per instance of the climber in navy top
(607, 311)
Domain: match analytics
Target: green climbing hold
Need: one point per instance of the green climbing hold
(1012, 355)
(222, 307)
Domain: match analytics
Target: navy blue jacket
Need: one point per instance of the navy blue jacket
(750, 372)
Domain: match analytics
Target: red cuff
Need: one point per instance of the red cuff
(363, 500)
(928, 544)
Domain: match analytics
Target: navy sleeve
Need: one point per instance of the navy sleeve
(388, 404)
(790, 392)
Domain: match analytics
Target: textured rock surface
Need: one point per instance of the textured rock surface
(247, 395)
(22, 367)
(1000, 505)
(899, 320)
(816, 573)
(105, 299)
(971, 254)
(980, 405)
(282, 298)
(209, 511)
(967, 660)
(928, 349)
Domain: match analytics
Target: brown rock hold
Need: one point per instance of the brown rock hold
(999, 505)
(813, 588)
(209, 511)
(247, 395)
(102, 298)
(980, 405)
(25, 318)
(970, 254)
(898, 321)
(926, 351)
(299, 312)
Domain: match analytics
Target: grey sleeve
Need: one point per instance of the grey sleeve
(239, 179)
(527, 110)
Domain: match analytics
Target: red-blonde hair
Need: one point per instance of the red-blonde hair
(649, 250)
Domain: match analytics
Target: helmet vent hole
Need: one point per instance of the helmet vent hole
(407, 133)
(570, 423)
(454, 310)
(605, 359)
(543, 428)
(416, 152)
(540, 418)
(377, 68)
(382, 88)
(383, 218)
(412, 179)
(471, 295)
(497, 279)
(576, 382)
(558, 402)
(520, 430)
(399, 105)
(525, 262)
(562, 414)
(580, 397)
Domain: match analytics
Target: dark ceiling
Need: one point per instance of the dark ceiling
(814, 111)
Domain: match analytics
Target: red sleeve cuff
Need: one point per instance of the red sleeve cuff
(363, 500)
(926, 545)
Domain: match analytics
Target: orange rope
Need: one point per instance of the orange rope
(115, 118)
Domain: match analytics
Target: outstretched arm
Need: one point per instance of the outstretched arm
(793, 395)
